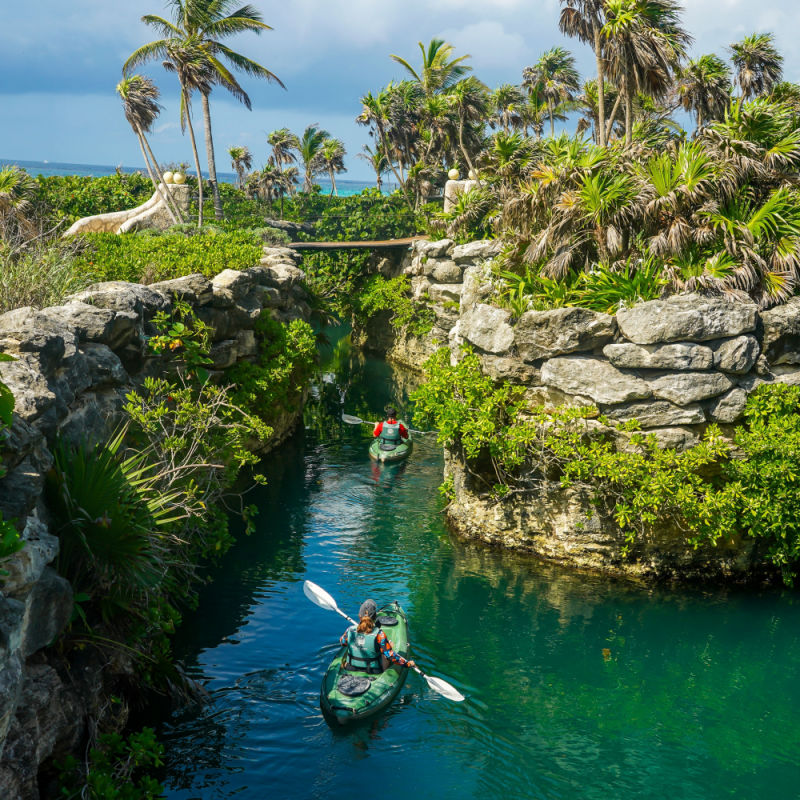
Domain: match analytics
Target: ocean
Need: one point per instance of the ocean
(48, 168)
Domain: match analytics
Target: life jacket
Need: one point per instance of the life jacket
(363, 654)
(390, 432)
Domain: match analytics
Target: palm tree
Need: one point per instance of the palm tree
(310, 154)
(554, 77)
(439, 70)
(505, 101)
(17, 191)
(704, 86)
(584, 19)
(241, 161)
(377, 160)
(759, 65)
(470, 100)
(284, 144)
(140, 102)
(207, 23)
(644, 43)
(332, 156)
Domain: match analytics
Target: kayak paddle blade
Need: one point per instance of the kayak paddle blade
(318, 596)
(444, 689)
(351, 420)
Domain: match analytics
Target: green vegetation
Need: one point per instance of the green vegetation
(382, 294)
(713, 492)
(10, 541)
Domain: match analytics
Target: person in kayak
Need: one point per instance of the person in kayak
(368, 648)
(391, 432)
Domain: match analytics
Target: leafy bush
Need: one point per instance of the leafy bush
(108, 256)
(706, 492)
(382, 294)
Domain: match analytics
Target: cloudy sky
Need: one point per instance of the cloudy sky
(60, 61)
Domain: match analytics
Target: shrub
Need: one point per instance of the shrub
(382, 294)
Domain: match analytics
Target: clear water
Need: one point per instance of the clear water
(577, 686)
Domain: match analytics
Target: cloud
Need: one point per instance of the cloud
(489, 43)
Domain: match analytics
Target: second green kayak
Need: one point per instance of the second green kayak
(350, 696)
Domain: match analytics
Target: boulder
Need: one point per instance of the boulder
(93, 324)
(729, 408)
(679, 356)
(781, 338)
(487, 328)
(684, 388)
(194, 288)
(678, 439)
(594, 378)
(281, 276)
(477, 286)
(48, 607)
(560, 331)
(223, 354)
(445, 272)
(686, 317)
(736, 355)
(33, 396)
(26, 331)
(434, 249)
(473, 252)
(509, 370)
(230, 286)
(420, 286)
(444, 292)
(26, 566)
(657, 414)
(22, 486)
(144, 301)
(104, 365)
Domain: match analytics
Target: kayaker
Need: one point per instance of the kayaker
(391, 431)
(368, 648)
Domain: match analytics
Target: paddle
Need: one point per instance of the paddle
(317, 595)
(351, 420)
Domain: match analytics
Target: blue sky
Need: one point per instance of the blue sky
(60, 61)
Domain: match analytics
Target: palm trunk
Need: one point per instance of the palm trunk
(400, 181)
(175, 212)
(212, 164)
(601, 87)
(464, 149)
(196, 160)
(628, 118)
(552, 121)
(612, 118)
(334, 190)
(156, 183)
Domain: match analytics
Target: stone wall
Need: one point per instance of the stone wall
(73, 365)
(675, 365)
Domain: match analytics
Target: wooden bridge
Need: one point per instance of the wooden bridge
(387, 244)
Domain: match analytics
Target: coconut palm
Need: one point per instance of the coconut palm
(704, 86)
(17, 191)
(284, 144)
(554, 78)
(377, 160)
(332, 156)
(505, 102)
(310, 154)
(584, 19)
(140, 103)
(241, 161)
(469, 98)
(206, 23)
(439, 70)
(592, 115)
(759, 65)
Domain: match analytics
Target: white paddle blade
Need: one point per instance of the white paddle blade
(444, 689)
(318, 596)
(351, 420)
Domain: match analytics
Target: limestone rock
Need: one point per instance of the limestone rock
(26, 566)
(230, 286)
(678, 439)
(420, 286)
(22, 486)
(444, 292)
(434, 249)
(545, 334)
(472, 252)
(246, 343)
(93, 324)
(594, 378)
(26, 331)
(194, 288)
(445, 272)
(223, 354)
(686, 317)
(121, 296)
(281, 276)
(32, 394)
(737, 355)
(487, 328)
(477, 286)
(679, 356)
(729, 408)
(684, 388)
(509, 370)
(104, 365)
(781, 340)
(657, 414)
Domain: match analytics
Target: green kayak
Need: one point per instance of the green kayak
(388, 453)
(348, 696)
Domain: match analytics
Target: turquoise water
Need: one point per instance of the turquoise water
(577, 686)
(48, 168)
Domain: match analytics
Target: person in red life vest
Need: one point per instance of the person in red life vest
(368, 649)
(391, 431)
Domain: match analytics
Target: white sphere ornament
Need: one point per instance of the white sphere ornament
(453, 174)
(179, 178)
(167, 177)
(473, 176)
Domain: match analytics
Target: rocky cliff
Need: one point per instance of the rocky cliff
(73, 365)
(675, 365)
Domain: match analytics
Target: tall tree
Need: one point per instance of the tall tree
(377, 160)
(704, 86)
(505, 101)
(17, 192)
(439, 70)
(206, 23)
(284, 145)
(310, 154)
(332, 156)
(554, 77)
(469, 98)
(241, 161)
(584, 19)
(759, 65)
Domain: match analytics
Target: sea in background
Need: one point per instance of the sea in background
(48, 168)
